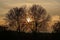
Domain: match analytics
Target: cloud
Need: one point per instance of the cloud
(54, 19)
(52, 6)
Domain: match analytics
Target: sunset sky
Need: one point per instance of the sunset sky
(52, 6)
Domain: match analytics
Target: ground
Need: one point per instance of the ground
(27, 36)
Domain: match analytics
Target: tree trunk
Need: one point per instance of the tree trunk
(18, 29)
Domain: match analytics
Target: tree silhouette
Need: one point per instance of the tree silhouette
(14, 16)
(38, 13)
(56, 27)
(17, 18)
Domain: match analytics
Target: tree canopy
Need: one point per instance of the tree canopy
(17, 18)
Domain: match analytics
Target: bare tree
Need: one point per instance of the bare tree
(56, 27)
(14, 16)
(38, 13)
(17, 17)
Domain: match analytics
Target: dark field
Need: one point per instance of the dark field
(14, 35)
(28, 36)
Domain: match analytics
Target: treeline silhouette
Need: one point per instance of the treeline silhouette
(15, 35)
(56, 28)
(18, 25)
